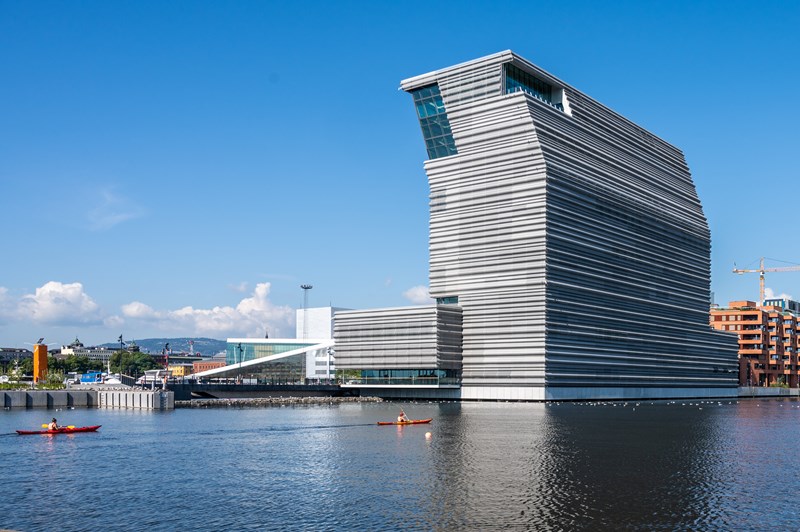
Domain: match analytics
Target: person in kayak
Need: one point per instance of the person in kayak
(53, 425)
(402, 417)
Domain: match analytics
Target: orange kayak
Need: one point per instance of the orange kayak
(409, 422)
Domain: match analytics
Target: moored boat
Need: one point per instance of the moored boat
(62, 430)
(409, 422)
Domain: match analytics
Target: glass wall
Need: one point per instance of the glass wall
(433, 120)
(243, 351)
(290, 370)
(519, 80)
(408, 377)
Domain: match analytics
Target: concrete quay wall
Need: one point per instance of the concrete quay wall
(758, 391)
(145, 400)
(138, 399)
(48, 399)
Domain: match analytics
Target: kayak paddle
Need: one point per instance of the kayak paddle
(45, 425)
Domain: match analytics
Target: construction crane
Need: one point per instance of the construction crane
(761, 272)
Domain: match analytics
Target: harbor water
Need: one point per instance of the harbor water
(655, 465)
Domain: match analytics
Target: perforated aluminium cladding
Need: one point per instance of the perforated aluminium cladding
(573, 239)
(425, 337)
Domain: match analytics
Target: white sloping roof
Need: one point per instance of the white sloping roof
(252, 365)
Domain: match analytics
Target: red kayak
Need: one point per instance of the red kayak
(63, 430)
(409, 422)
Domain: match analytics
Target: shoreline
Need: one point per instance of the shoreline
(256, 402)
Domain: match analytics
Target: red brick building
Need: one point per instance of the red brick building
(769, 338)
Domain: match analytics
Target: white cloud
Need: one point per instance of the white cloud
(241, 287)
(66, 304)
(138, 310)
(418, 295)
(770, 294)
(57, 303)
(250, 317)
(111, 210)
(113, 322)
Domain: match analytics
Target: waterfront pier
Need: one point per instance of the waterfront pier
(107, 398)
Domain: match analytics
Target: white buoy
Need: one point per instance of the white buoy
(428, 435)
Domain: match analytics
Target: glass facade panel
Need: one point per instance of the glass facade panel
(242, 352)
(290, 370)
(519, 80)
(409, 377)
(434, 123)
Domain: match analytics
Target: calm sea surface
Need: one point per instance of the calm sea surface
(686, 465)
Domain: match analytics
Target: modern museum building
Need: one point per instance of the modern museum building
(569, 254)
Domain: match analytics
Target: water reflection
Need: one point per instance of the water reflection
(593, 467)
(646, 466)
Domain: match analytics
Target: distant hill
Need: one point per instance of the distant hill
(204, 346)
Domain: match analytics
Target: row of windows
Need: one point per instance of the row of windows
(746, 317)
(409, 377)
(519, 80)
(783, 303)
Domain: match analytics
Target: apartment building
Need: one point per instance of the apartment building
(768, 340)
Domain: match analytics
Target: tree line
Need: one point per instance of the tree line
(124, 362)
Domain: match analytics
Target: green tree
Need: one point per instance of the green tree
(133, 364)
(26, 366)
(78, 364)
(55, 365)
(82, 364)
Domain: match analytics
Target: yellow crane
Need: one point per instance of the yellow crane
(761, 271)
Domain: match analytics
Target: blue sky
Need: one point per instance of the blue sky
(180, 168)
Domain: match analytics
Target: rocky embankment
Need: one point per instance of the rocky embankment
(272, 401)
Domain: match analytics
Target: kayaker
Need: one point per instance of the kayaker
(402, 417)
(53, 425)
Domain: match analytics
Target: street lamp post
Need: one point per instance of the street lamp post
(241, 360)
(306, 288)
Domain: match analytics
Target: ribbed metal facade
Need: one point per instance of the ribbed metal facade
(399, 338)
(574, 240)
